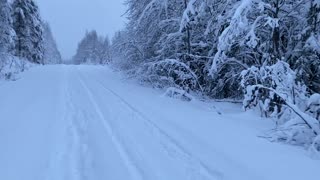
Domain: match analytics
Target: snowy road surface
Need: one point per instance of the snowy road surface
(86, 123)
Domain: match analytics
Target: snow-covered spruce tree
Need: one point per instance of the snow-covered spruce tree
(27, 24)
(51, 52)
(6, 32)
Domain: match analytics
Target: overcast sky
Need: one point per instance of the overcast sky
(69, 19)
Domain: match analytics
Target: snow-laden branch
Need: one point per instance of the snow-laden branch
(238, 24)
(175, 70)
(185, 17)
(311, 122)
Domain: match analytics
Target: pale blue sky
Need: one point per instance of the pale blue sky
(69, 19)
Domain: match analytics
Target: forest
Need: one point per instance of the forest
(25, 38)
(263, 53)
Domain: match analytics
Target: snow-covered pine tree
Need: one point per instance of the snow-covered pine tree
(51, 52)
(27, 24)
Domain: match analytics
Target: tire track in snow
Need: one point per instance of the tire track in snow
(132, 168)
(57, 166)
(79, 153)
(194, 167)
(71, 157)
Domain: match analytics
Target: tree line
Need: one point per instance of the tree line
(93, 49)
(24, 35)
(264, 52)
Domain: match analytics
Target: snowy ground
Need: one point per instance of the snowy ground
(87, 123)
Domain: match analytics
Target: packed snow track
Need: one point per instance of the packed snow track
(87, 123)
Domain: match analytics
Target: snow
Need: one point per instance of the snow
(10, 66)
(87, 122)
(314, 99)
(313, 43)
(178, 94)
(272, 22)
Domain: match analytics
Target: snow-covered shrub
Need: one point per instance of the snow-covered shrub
(257, 81)
(296, 132)
(178, 94)
(302, 130)
(169, 73)
(274, 90)
(11, 65)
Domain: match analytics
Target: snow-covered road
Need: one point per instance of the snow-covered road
(86, 123)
